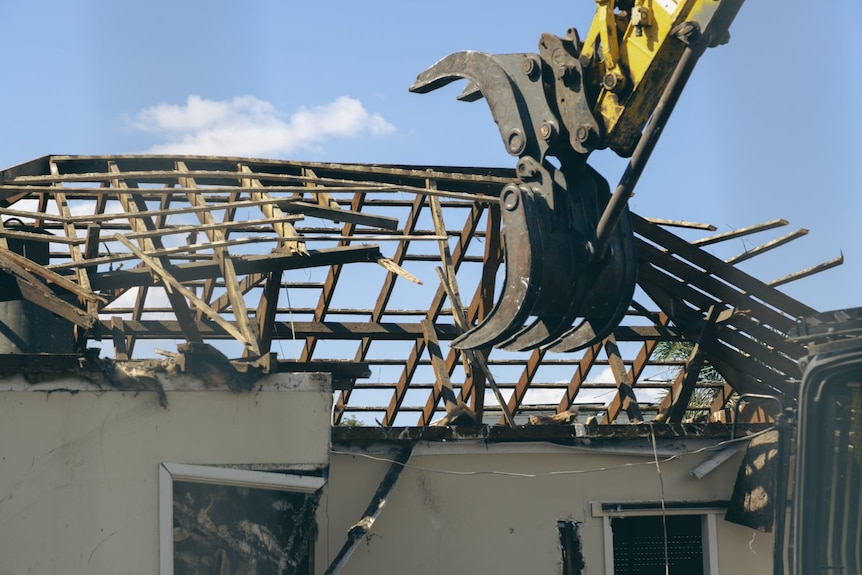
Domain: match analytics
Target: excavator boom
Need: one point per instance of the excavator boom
(570, 258)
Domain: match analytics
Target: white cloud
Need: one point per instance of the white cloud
(247, 126)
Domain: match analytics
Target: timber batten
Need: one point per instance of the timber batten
(262, 256)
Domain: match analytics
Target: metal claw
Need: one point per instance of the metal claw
(609, 296)
(567, 274)
(512, 85)
(550, 217)
(522, 253)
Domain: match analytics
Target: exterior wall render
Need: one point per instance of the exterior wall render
(471, 521)
(79, 486)
(79, 471)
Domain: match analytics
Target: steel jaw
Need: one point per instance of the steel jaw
(549, 216)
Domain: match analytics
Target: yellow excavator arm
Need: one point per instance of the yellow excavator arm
(569, 249)
(631, 51)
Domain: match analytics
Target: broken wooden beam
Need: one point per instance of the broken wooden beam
(8, 258)
(338, 215)
(739, 233)
(33, 290)
(171, 283)
(243, 265)
(443, 388)
(334, 330)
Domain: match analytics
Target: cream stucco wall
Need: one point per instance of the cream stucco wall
(79, 470)
(79, 492)
(448, 515)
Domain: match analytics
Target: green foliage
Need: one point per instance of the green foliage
(350, 421)
(681, 351)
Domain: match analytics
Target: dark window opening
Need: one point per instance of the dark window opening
(242, 530)
(570, 546)
(639, 547)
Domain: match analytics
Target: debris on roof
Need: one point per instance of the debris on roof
(259, 257)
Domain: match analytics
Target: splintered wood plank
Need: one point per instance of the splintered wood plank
(266, 310)
(257, 263)
(71, 233)
(739, 233)
(287, 233)
(323, 198)
(225, 263)
(132, 205)
(679, 396)
(638, 366)
(624, 385)
(763, 248)
(338, 214)
(91, 248)
(172, 251)
(442, 384)
(33, 290)
(584, 366)
(36, 269)
(173, 284)
(118, 336)
(46, 299)
(827, 265)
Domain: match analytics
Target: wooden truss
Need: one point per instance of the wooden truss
(252, 256)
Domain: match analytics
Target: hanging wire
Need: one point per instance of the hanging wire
(718, 445)
(663, 509)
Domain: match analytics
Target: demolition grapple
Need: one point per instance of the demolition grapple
(569, 250)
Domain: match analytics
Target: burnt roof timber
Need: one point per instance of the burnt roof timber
(433, 313)
(739, 233)
(780, 355)
(383, 298)
(638, 365)
(326, 294)
(579, 376)
(244, 265)
(692, 277)
(721, 270)
(749, 349)
(525, 379)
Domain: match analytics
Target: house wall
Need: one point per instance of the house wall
(449, 514)
(79, 482)
(79, 469)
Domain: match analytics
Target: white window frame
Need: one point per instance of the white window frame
(708, 526)
(229, 476)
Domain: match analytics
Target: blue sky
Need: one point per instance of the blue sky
(769, 126)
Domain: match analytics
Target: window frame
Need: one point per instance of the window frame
(214, 475)
(708, 512)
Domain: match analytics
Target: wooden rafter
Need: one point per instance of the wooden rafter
(225, 264)
(382, 301)
(84, 202)
(625, 386)
(133, 204)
